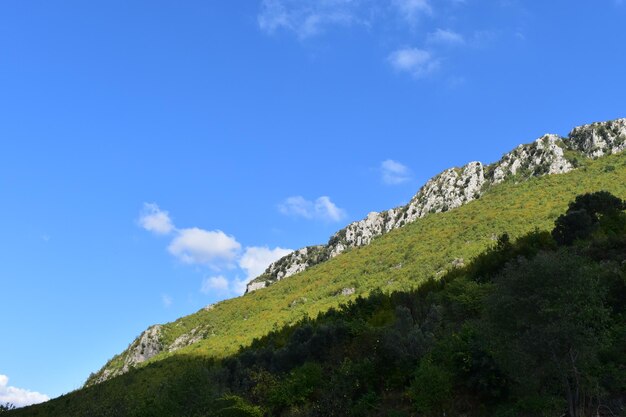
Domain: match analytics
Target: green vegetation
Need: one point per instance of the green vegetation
(420, 335)
(399, 260)
(529, 328)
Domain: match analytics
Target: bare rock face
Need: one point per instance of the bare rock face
(450, 189)
(544, 156)
(147, 345)
(256, 285)
(457, 186)
(362, 232)
(144, 347)
(196, 334)
(598, 139)
(348, 291)
(288, 265)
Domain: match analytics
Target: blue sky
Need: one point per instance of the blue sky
(154, 155)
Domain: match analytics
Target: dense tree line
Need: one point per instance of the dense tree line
(529, 328)
(6, 407)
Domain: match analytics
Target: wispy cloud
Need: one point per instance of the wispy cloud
(413, 9)
(410, 19)
(155, 220)
(320, 209)
(393, 172)
(166, 300)
(212, 284)
(309, 18)
(445, 37)
(18, 396)
(415, 61)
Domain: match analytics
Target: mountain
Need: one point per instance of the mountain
(531, 327)
(433, 247)
(550, 154)
(169, 363)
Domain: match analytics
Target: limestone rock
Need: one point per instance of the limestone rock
(543, 157)
(147, 345)
(347, 291)
(186, 339)
(288, 265)
(598, 139)
(256, 285)
(450, 189)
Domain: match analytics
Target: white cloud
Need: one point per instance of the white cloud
(309, 18)
(326, 209)
(412, 9)
(417, 62)
(217, 249)
(393, 172)
(445, 37)
(297, 206)
(257, 258)
(322, 208)
(166, 300)
(238, 286)
(18, 396)
(155, 220)
(217, 283)
(198, 246)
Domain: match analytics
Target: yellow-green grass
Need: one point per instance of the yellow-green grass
(399, 260)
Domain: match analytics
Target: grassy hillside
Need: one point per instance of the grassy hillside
(398, 261)
(459, 345)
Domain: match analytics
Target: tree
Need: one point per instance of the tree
(547, 315)
(584, 215)
(6, 407)
(431, 390)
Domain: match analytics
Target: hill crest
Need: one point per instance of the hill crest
(550, 154)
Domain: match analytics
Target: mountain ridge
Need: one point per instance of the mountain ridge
(549, 154)
(198, 331)
(256, 341)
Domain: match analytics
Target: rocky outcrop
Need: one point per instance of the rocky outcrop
(450, 189)
(196, 334)
(288, 265)
(454, 187)
(147, 345)
(598, 139)
(144, 347)
(545, 156)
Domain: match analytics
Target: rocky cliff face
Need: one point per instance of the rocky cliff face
(147, 345)
(550, 154)
(144, 347)
(598, 139)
